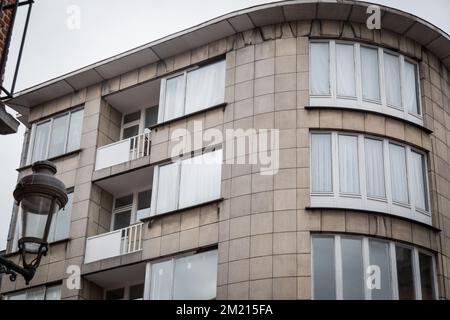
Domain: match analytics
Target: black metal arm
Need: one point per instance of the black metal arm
(9, 267)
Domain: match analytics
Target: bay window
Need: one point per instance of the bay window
(356, 171)
(354, 267)
(192, 277)
(187, 182)
(192, 90)
(358, 76)
(55, 136)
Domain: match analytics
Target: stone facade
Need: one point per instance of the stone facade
(262, 227)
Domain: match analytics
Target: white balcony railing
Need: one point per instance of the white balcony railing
(123, 151)
(114, 243)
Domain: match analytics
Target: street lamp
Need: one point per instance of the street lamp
(39, 196)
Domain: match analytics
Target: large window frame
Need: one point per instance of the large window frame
(154, 209)
(392, 245)
(332, 99)
(163, 92)
(43, 292)
(361, 200)
(51, 121)
(136, 214)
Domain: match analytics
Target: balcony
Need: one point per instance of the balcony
(123, 151)
(115, 243)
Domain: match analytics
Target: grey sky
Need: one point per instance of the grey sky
(109, 27)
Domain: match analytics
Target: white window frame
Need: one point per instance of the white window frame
(133, 207)
(337, 238)
(25, 291)
(162, 97)
(140, 122)
(358, 102)
(362, 201)
(148, 271)
(178, 163)
(33, 132)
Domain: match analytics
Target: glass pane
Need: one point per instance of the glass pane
(76, 124)
(137, 292)
(130, 132)
(41, 141)
(348, 164)
(195, 277)
(58, 137)
(144, 199)
(399, 182)
(373, 150)
(369, 74)
(161, 283)
(379, 256)
(324, 273)
(426, 276)
(392, 80)
(205, 87)
(17, 296)
(405, 276)
(345, 70)
(167, 185)
(151, 116)
(321, 163)
(174, 98)
(53, 293)
(36, 294)
(122, 220)
(320, 68)
(200, 178)
(124, 201)
(419, 182)
(352, 269)
(411, 92)
(62, 228)
(115, 294)
(130, 117)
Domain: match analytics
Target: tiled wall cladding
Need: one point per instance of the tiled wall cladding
(262, 227)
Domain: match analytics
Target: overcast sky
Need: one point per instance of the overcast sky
(108, 27)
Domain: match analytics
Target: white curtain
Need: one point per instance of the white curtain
(399, 182)
(62, 225)
(167, 188)
(392, 80)
(418, 180)
(41, 141)
(195, 277)
(161, 281)
(200, 178)
(345, 70)
(58, 136)
(348, 164)
(369, 74)
(174, 97)
(411, 88)
(321, 162)
(320, 68)
(373, 150)
(205, 87)
(76, 123)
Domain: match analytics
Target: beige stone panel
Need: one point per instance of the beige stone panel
(240, 206)
(245, 55)
(304, 288)
(265, 50)
(284, 47)
(209, 234)
(333, 220)
(357, 222)
(401, 230)
(352, 120)
(262, 202)
(264, 103)
(170, 243)
(151, 248)
(284, 242)
(286, 100)
(261, 245)
(189, 239)
(261, 289)
(263, 86)
(190, 219)
(245, 72)
(171, 224)
(285, 288)
(261, 223)
(264, 67)
(240, 227)
(330, 119)
(239, 249)
(239, 271)
(284, 221)
(238, 291)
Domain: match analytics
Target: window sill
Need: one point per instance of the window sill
(384, 214)
(161, 124)
(327, 107)
(151, 218)
(65, 240)
(51, 159)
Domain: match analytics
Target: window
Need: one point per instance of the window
(38, 293)
(342, 266)
(193, 90)
(130, 208)
(356, 171)
(56, 136)
(187, 182)
(59, 228)
(137, 122)
(353, 75)
(192, 277)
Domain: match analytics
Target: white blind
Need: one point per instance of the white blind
(345, 70)
(399, 183)
(174, 97)
(392, 80)
(321, 162)
(167, 188)
(348, 164)
(373, 150)
(418, 173)
(369, 74)
(320, 68)
(411, 88)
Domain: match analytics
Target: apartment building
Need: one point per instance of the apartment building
(361, 188)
